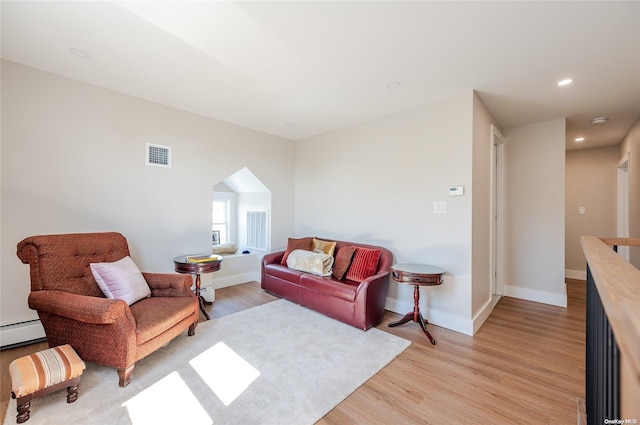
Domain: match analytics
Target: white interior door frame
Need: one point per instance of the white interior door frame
(622, 201)
(497, 225)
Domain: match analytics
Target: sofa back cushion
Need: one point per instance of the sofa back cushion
(61, 262)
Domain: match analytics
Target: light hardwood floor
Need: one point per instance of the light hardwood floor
(524, 366)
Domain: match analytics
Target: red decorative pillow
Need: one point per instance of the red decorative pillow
(364, 264)
(343, 261)
(293, 244)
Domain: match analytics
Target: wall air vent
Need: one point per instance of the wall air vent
(158, 155)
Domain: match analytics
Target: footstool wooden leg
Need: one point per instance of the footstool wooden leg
(72, 393)
(23, 412)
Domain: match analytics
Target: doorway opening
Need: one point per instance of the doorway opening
(622, 221)
(241, 212)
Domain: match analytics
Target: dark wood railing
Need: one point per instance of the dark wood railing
(613, 333)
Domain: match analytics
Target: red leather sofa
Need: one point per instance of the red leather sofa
(359, 304)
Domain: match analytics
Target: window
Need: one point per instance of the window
(220, 221)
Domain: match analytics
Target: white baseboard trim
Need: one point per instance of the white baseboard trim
(484, 313)
(21, 332)
(435, 317)
(208, 293)
(575, 274)
(535, 295)
(235, 279)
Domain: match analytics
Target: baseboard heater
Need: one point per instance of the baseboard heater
(23, 333)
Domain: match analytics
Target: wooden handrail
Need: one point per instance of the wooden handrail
(621, 241)
(618, 284)
(612, 333)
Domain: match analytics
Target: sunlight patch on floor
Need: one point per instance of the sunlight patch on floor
(168, 401)
(226, 372)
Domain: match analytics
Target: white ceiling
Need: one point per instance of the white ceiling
(299, 68)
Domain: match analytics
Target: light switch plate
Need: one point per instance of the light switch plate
(440, 207)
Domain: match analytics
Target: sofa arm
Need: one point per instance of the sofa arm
(169, 284)
(83, 308)
(370, 300)
(273, 258)
(377, 279)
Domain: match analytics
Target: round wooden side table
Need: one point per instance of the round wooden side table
(196, 264)
(417, 275)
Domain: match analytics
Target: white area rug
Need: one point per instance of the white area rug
(277, 363)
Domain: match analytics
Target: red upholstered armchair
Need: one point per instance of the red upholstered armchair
(74, 310)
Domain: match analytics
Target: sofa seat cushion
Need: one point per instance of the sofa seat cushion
(155, 315)
(283, 272)
(330, 286)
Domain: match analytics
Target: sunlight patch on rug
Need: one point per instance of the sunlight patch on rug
(168, 401)
(226, 372)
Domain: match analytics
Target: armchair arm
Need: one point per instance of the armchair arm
(169, 284)
(83, 308)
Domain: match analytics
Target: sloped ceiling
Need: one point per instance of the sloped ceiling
(244, 181)
(296, 69)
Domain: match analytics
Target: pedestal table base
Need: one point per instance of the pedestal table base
(415, 316)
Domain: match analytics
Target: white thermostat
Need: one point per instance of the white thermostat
(456, 190)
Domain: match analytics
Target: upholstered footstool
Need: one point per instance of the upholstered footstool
(43, 373)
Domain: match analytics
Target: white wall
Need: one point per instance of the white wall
(535, 200)
(376, 183)
(73, 160)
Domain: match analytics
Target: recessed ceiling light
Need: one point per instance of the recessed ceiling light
(599, 120)
(79, 53)
(579, 139)
(565, 82)
(394, 85)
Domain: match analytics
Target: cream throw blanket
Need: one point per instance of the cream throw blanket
(317, 263)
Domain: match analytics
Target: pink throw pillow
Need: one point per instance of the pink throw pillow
(121, 280)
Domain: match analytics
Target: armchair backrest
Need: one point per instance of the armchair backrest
(61, 262)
